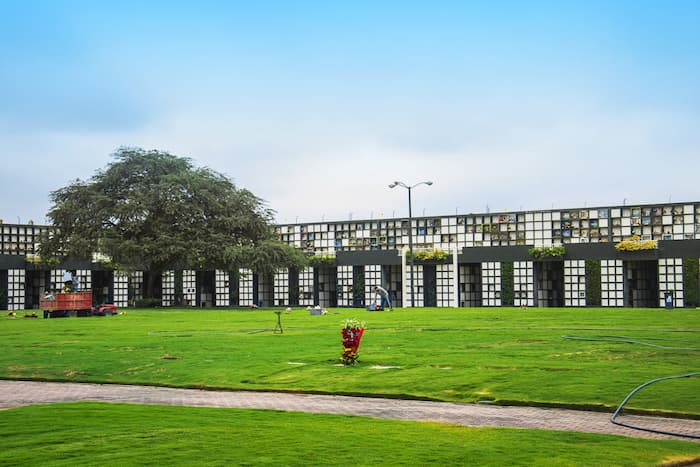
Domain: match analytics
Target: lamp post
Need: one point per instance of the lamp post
(410, 229)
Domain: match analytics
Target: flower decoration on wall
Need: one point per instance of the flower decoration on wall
(635, 243)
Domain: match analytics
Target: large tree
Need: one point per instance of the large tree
(153, 211)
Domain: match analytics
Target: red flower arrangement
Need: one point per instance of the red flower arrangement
(352, 335)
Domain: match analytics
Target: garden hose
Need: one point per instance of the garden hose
(651, 430)
(630, 340)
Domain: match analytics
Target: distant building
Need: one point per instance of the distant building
(483, 260)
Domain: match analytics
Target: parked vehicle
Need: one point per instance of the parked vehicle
(65, 304)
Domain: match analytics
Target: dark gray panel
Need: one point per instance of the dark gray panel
(13, 262)
(361, 258)
(679, 248)
(494, 253)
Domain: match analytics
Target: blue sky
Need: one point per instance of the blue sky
(317, 106)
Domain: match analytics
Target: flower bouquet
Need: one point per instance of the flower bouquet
(352, 334)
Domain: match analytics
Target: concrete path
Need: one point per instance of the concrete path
(18, 393)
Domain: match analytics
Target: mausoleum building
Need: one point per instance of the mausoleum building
(608, 256)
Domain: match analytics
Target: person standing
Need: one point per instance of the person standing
(384, 296)
(67, 281)
(48, 296)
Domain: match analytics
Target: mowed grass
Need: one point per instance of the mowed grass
(464, 355)
(504, 356)
(118, 434)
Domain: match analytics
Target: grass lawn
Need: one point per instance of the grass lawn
(117, 434)
(506, 356)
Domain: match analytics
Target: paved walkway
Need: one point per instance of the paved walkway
(18, 393)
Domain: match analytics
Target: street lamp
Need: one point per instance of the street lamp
(410, 229)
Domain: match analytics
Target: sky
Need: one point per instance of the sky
(317, 106)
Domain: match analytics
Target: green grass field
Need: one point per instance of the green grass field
(464, 355)
(116, 434)
(505, 356)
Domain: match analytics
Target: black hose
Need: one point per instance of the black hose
(630, 340)
(651, 430)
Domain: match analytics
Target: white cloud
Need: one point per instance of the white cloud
(308, 169)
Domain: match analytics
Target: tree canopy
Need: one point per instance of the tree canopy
(153, 211)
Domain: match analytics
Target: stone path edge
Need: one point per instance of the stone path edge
(16, 393)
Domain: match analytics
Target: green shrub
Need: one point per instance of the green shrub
(507, 284)
(37, 260)
(148, 302)
(429, 255)
(690, 282)
(593, 282)
(540, 252)
(108, 264)
(323, 259)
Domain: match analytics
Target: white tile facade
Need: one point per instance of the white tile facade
(612, 285)
(575, 282)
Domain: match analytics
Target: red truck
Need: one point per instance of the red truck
(74, 304)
